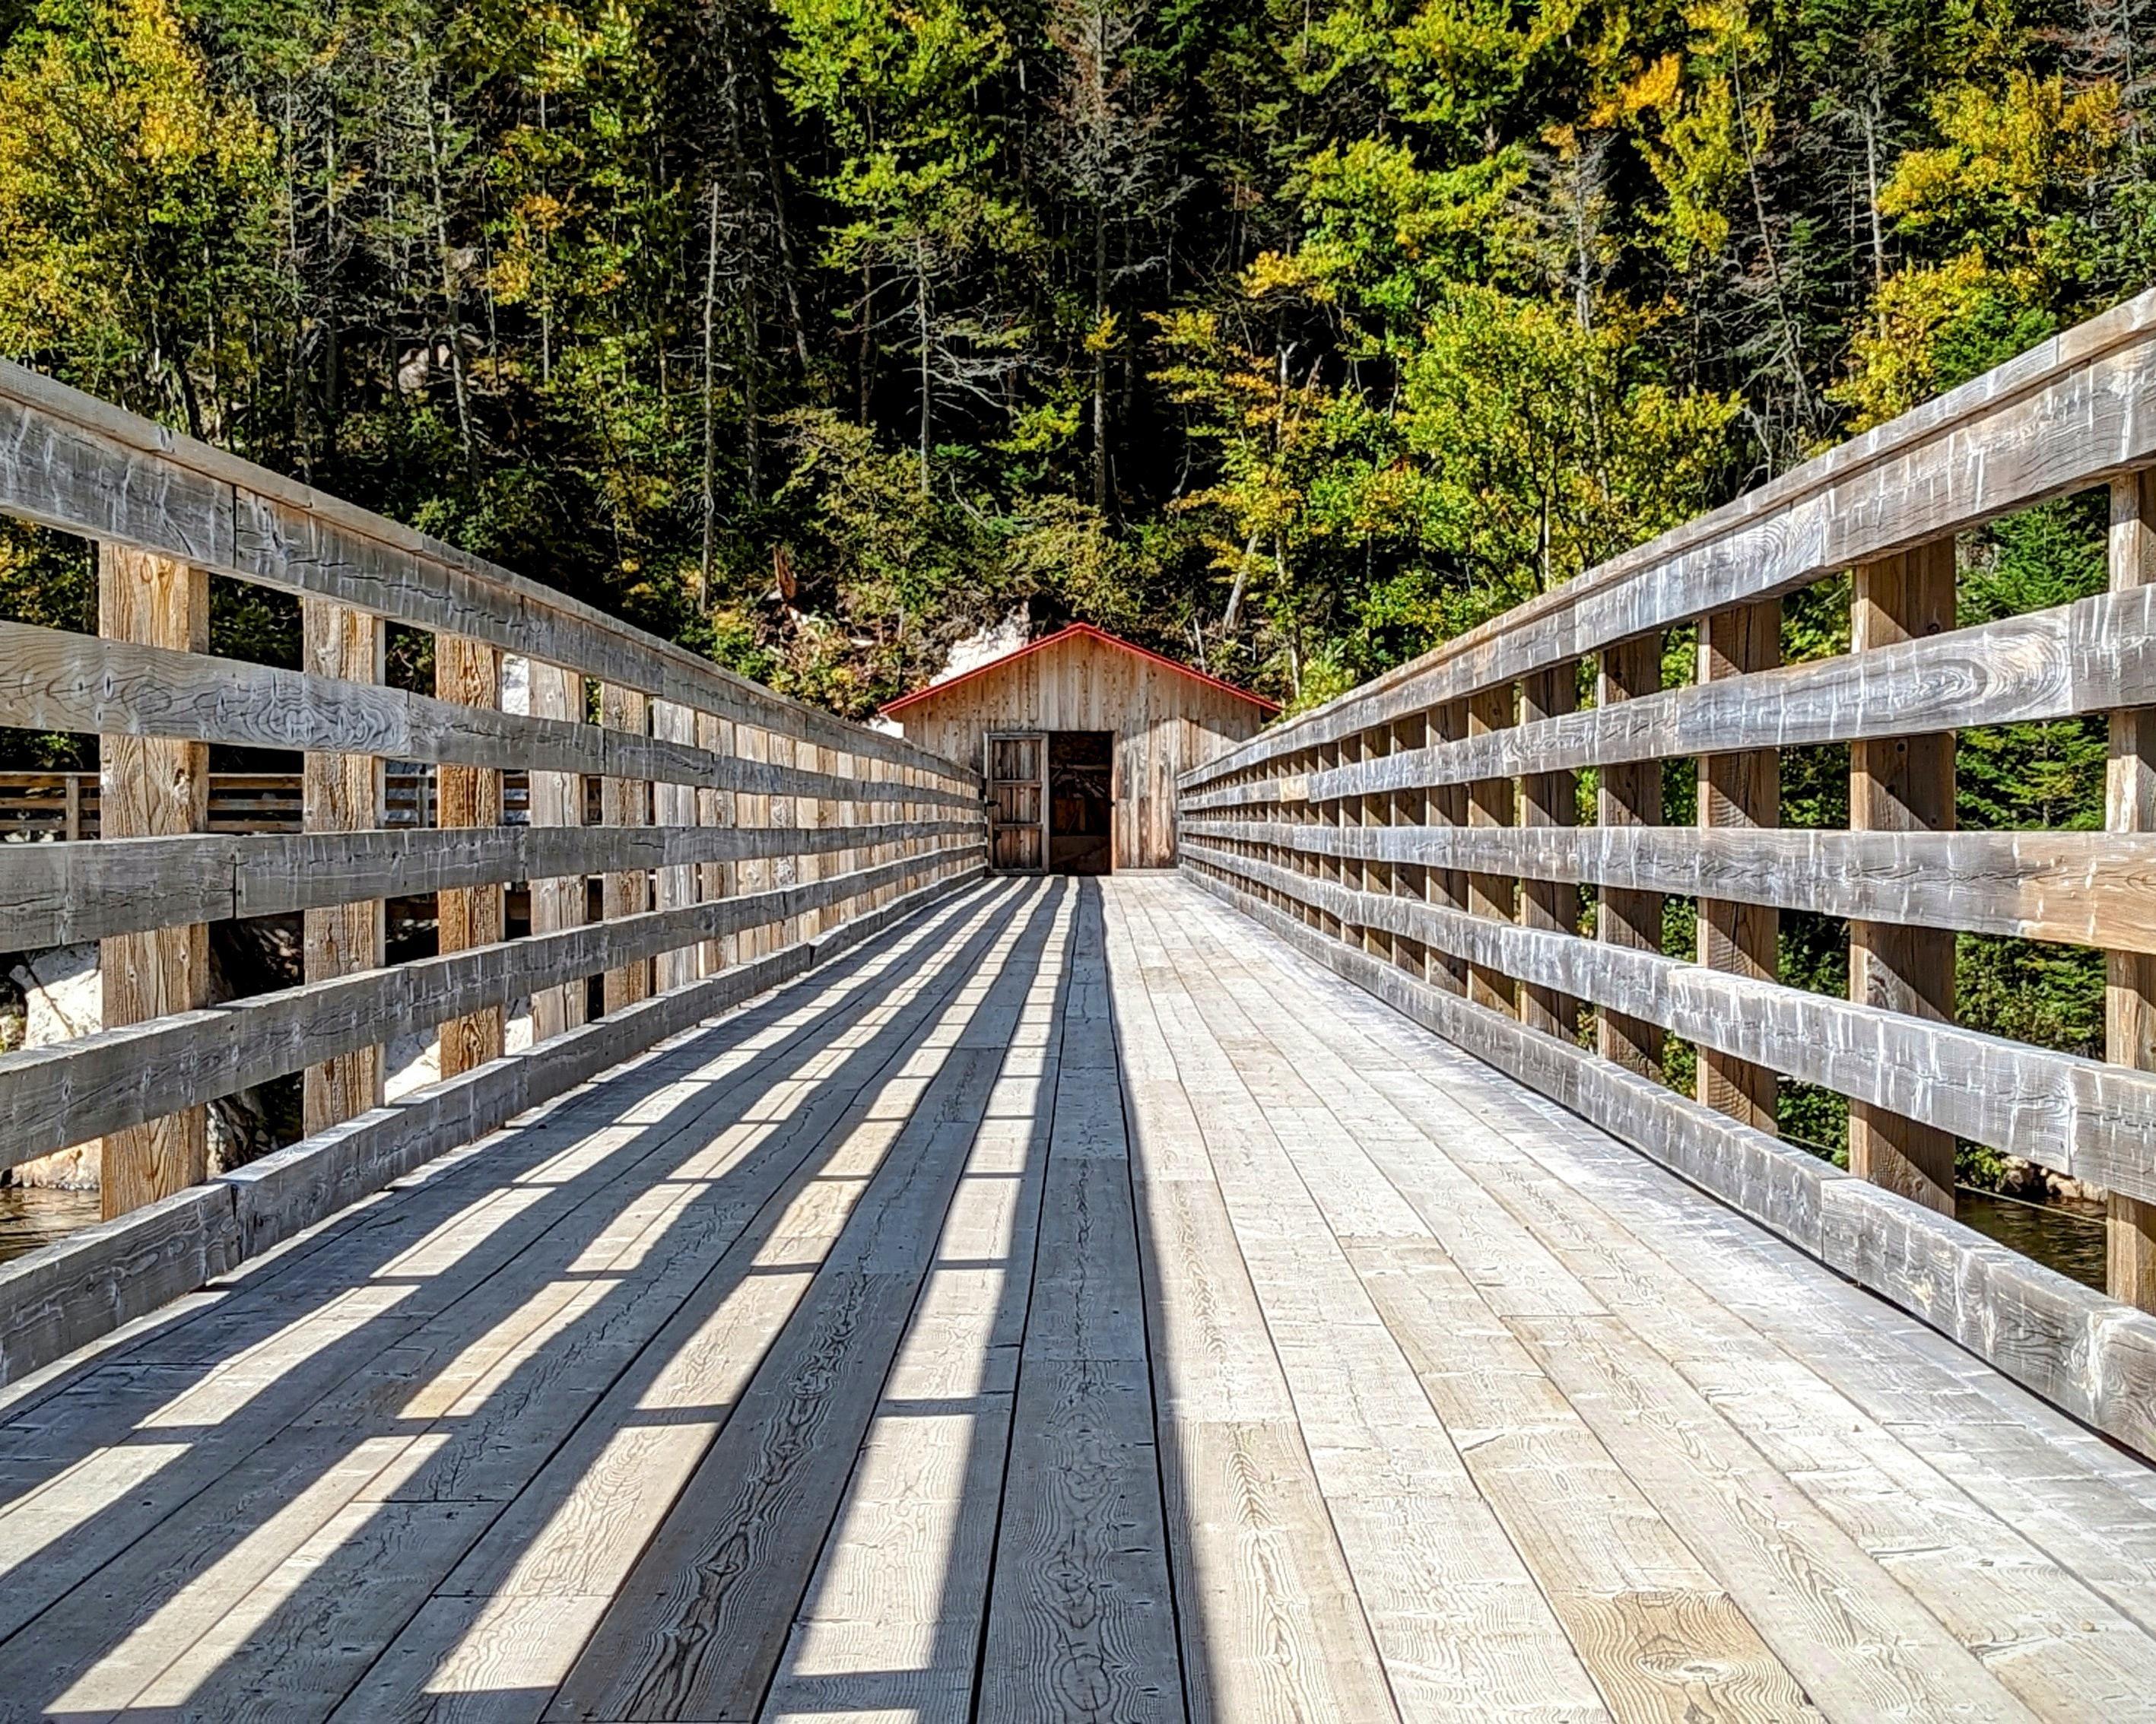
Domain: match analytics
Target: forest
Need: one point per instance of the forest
(1287, 337)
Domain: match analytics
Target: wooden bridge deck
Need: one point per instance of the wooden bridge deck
(1075, 1306)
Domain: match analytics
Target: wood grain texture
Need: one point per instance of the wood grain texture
(340, 793)
(2085, 888)
(87, 467)
(1742, 790)
(1630, 794)
(625, 802)
(1549, 799)
(557, 895)
(51, 680)
(2130, 807)
(468, 672)
(152, 787)
(1897, 786)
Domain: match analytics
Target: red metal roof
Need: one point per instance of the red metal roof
(1087, 631)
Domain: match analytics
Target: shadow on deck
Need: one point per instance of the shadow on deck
(1073, 1305)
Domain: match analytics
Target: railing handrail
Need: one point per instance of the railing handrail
(2112, 353)
(73, 462)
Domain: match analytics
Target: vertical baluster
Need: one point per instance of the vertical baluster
(469, 672)
(1445, 808)
(674, 806)
(342, 792)
(625, 802)
(2130, 806)
(1630, 794)
(1902, 784)
(1549, 799)
(558, 799)
(1742, 790)
(715, 807)
(1491, 802)
(153, 787)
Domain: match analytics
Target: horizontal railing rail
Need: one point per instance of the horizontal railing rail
(705, 836)
(1426, 835)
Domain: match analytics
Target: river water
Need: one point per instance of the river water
(31, 1216)
(2067, 1237)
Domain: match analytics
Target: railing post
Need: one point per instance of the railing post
(625, 802)
(152, 787)
(1444, 807)
(715, 807)
(342, 792)
(1407, 880)
(674, 805)
(1629, 793)
(1549, 799)
(558, 799)
(1740, 790)
(758, 875)
(469, 672)
(1902, 784)
(2130, 806)
(1492, 803)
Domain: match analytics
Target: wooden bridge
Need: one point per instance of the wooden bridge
(1284, 1290)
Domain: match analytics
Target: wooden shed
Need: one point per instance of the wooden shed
(1081, 736)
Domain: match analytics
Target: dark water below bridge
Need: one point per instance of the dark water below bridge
(2066, 1237)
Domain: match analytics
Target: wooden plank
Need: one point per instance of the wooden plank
(1080, 1613)
(51, 680)
(2065, 415)
(1492, 802)
(2130, 976)
(1549, 799)
(91, 467)
(2079, 1116)
(2089, 1355)
(468, 672)
(342, 792)
(1463, 1628)
(715, 807)
(152, 787)
(1744, 790)
(1267, 1610)
(700, 1623)
(2086, 888)
(674, 805)
(558, 899)
(1897, 786)
(625, 802)
(2090, 656)
(1629, 795)
(119, 1077)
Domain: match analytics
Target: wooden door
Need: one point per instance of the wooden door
(1017, 803)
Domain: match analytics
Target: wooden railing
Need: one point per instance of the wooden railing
(71, 805)
(741, 833)
(1418, 834)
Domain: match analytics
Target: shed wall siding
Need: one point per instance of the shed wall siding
(1164, 724)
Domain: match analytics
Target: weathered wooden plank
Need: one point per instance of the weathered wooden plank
(1897, 786)
(2082, 1116)
(2068, 413)
(2091, 656)
(86, 466)
(152, 787)
(1492, 802)
(2090, 1355)
(52, 679)
(2086, 888)
(1630, 794)
(58, 893)
(78, 1089)
(1743, 791)
(625, 802)
(2130, 806)
(701, 1621)
(468, 672)
(558, 896)
(1549, 799)
(339, 792)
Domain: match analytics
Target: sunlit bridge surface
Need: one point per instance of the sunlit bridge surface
(1073, 1305)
